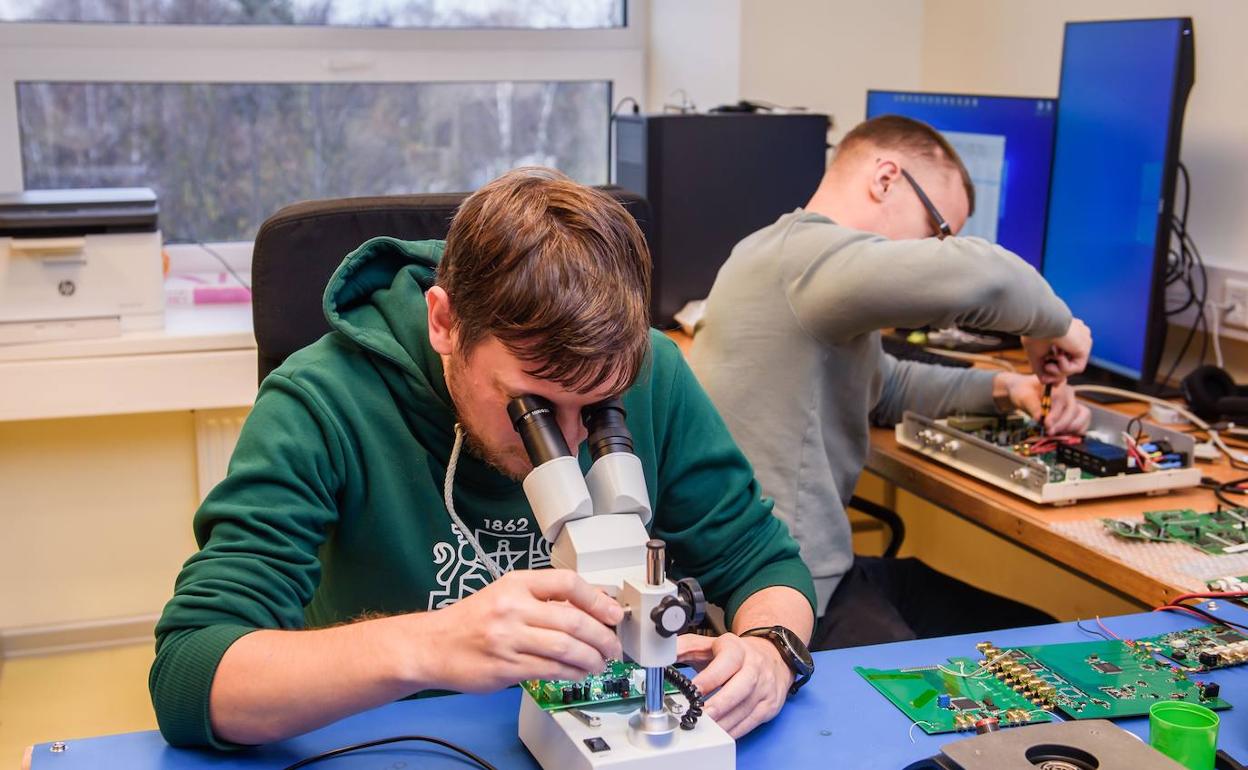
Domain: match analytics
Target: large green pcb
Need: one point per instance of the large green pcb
(620, 682)
(952, 697)
(1096, 680)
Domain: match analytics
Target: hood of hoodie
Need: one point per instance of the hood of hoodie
(376, 298)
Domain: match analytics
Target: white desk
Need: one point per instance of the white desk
(204, 358)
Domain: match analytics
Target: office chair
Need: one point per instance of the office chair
(890, 519)
(298, 248)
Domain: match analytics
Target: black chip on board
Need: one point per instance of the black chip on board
(963, 704)
(1105, 667)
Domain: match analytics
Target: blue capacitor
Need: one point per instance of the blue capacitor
(943, 701)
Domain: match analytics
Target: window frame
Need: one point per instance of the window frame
(159, 53)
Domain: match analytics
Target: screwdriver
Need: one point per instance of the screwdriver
(1046, 403)
(1046, 399)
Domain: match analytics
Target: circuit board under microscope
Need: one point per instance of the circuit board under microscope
(621, 681)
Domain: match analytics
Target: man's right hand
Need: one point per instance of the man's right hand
(529, 624)
(1053, 359)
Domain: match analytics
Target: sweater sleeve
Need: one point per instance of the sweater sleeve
(931, 390)
(865, 283)
(710, 510)
(257, 567)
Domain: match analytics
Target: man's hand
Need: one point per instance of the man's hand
(746, 679)
(1023, 391)
(529, 624)
(1053, 359)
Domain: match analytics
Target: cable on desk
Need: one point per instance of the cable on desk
(381, 742)
(1079, 624)
(1201, 614)
(1234, 486)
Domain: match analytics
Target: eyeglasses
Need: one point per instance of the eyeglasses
(943, 230)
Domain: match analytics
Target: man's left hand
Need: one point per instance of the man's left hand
(746, 679)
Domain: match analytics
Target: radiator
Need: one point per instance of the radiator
(216, 433)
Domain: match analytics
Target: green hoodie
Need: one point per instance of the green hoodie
(332, 507)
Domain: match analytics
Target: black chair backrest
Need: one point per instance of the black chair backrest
(298, 248)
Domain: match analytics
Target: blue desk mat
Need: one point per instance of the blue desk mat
(837, 721)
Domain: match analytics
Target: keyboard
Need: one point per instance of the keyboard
(908, 351)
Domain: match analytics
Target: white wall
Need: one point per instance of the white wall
(820, 54)
(825, 54)
(1015, 48)
(694, 45)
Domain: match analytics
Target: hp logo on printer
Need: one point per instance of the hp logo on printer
(66, 288)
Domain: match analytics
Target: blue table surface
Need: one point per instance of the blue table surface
(837, 721)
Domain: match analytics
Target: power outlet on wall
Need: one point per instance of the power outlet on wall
(1235, 300)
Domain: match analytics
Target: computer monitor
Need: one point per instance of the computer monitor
(1006, 143)
(1124, 87)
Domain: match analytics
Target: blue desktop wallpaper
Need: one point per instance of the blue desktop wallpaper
(1027, 127)
(1113, 123)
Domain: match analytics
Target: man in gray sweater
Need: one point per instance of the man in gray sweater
(789, 351)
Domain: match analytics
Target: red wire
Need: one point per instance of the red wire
(1106, 628)
(1188, 610)
(1211, 595)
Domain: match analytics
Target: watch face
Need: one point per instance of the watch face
(798, 648)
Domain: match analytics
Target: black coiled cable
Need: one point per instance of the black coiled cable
(690, 691)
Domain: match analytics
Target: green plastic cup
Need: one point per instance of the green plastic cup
(1185, 732)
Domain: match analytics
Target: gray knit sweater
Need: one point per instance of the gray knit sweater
(789, 351)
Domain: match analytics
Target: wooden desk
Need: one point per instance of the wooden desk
(1027, 524)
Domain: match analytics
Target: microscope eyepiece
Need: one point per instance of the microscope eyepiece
(607, 430)
(533, 417)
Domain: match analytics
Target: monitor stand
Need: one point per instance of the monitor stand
(1095, 375)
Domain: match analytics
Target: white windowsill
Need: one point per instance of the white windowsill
(204, 358)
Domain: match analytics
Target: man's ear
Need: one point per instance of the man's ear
(441, 338)
(884, 176)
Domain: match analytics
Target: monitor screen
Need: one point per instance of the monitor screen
(1113, 177)
(1006, 143)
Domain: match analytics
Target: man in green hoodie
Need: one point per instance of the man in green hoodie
(331, 578)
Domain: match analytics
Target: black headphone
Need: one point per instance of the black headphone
(1213, 395)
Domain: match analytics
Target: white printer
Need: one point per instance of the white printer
(79, 263)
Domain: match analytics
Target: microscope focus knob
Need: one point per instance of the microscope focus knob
(671, 616)
(690, 591)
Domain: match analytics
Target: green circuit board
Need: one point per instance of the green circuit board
(1096, 680)
(621, 681)
(951, 697)
(1223, 531)
(1201, 649)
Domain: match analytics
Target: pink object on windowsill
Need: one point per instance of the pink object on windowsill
(204, 289)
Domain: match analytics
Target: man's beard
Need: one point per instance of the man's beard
(473, 439)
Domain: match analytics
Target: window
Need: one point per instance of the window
(230, 123)
(223, 157)
(515, 14)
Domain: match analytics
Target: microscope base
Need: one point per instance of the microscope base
(557, 739)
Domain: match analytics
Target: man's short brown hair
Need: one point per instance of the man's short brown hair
(558, 272)
(913, 137)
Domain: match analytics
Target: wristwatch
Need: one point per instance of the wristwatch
(792, 650)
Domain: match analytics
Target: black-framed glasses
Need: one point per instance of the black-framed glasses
(943, 230)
